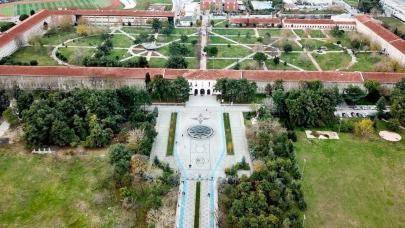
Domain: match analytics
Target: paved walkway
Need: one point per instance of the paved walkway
(204, 41)
(201, 160)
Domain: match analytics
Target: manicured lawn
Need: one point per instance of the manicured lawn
(59, 36)
(274, 32)
(244, 39)
(311, 44)
(271, 66)
(118, 53)
(332, 61)
(157, 62)
(295, 59)
(218, 40)
(197, 205)
(311, 32)
(87, 41)
(228, 31)
(192, 63)
(184, 31)
(164, 38)
(137, 30)
(280, 44)
(69, 53)
(172, 134)
(233, 51)
(352, 182)
(316, 33)
(46, 191)
(366, 61)
(219, 63)
(121, 41)
(40, 54)
(250, 64)
(18, 9)
(228, 135)
(191, 50)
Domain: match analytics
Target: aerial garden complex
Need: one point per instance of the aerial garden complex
(124, 113)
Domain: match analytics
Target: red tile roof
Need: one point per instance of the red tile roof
(139, 73)
(382, 32)
(303, 76)
(63, 71)
(310, 21)
(25, 25)
(399, 44)
(253, 20)
(383, 77)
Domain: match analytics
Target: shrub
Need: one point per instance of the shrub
(393, 125)
(10, 116)
(292, 135)
(364, 128)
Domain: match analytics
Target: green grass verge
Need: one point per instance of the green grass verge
(299, 59)
(228, 135)
(352, 182)
(29, 53)
(219, 63)
(332, 61)
(172, 134)
(197, 205)
(46, 191)
(366, 61)
(234, 51)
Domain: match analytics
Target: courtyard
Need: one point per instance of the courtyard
(285, 49)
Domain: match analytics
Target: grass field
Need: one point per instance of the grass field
(332, 61)
(228, 135)
(366, 61)
(353, 182)
(232, 51)
(43, 191)
(25, 8)
(172, 134)
(295, 59)
(197, 205)
(40, 54)
(219, 63)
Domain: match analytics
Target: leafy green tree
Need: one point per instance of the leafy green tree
(373, 88)
(161, 88)
(23, 17)
(120, 159)
(183, 38)
(98, 136)
(366, 6)
(398, 108)
(233, 90)
(353, 94)
(181, 89)
(276, 60)
(24, 101)
(381, 103)
(4, 100)
(177, 62)
(156, 24)
(11, 117)
(260, 57)
(287, 48)
(178, 49)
